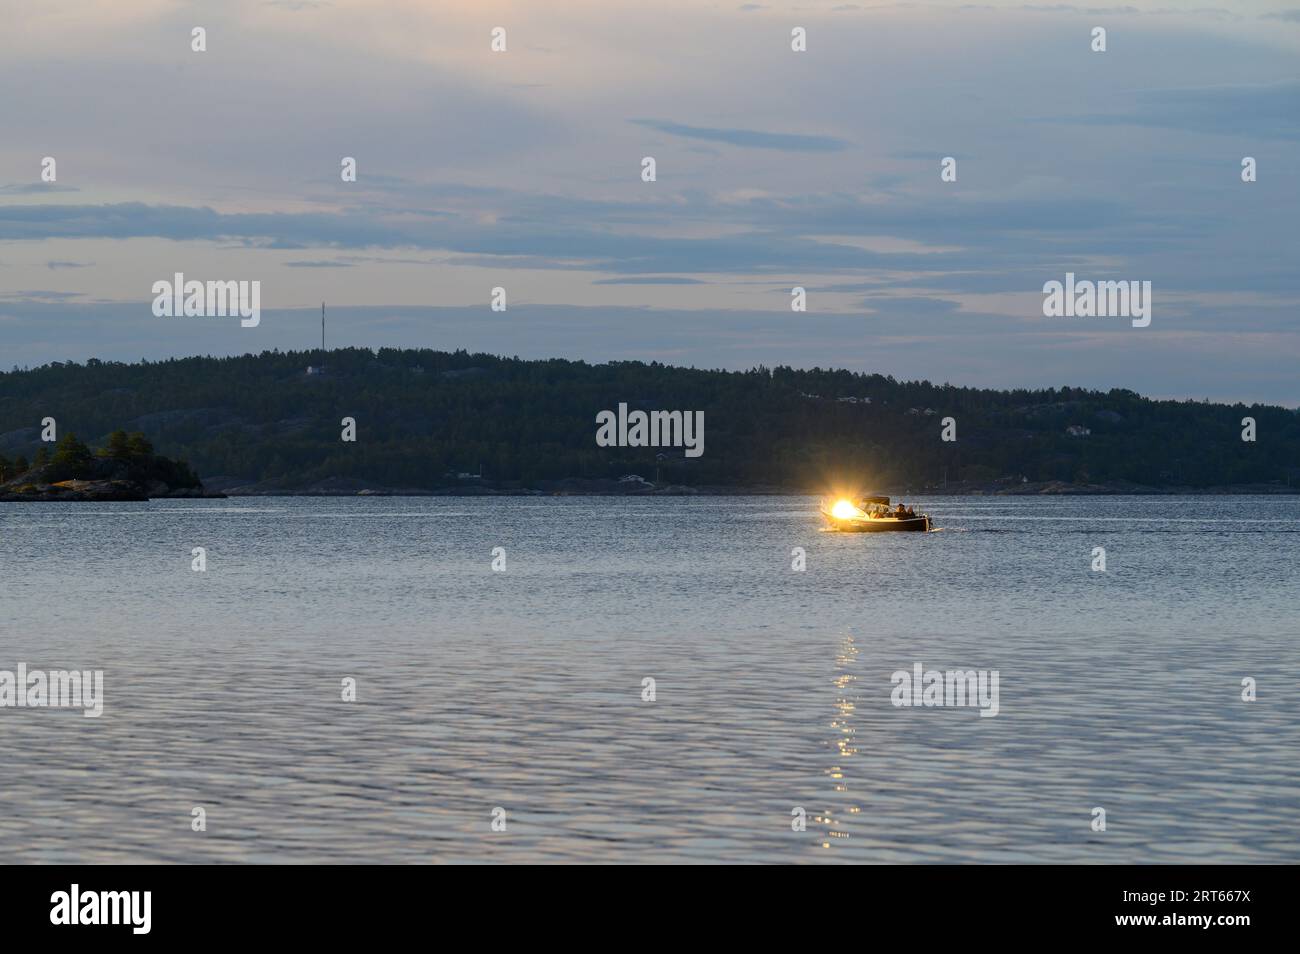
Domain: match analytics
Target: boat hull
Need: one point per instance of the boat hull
(917, 524)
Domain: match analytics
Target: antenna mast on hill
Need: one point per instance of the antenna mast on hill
(322, 328)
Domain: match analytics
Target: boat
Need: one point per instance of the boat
(869, 515)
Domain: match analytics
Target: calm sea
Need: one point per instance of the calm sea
(522, 689)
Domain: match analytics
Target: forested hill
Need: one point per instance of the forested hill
(426, 418)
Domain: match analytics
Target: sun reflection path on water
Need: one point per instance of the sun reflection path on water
(843, 740)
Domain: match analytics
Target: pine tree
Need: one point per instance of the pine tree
(118, 446)
(71, 460)
(138, 446)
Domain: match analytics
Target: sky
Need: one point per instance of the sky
(522, 169)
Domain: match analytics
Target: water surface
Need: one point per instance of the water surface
(523, 689)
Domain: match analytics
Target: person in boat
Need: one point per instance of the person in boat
(910, 511)
(900, 512)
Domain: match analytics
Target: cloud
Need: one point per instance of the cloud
(650, 280)
(1258, 111)
(911, 307)
(297, 5)
(748, 138)
(35, 188)
(933, 155)
(39, 296)
(997, 238)
(1070, 8)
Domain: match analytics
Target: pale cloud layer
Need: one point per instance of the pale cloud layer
(775, 169)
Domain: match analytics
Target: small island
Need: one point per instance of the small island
(125, 468)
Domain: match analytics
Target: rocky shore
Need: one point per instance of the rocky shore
(91, 491)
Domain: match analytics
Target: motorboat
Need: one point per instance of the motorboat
(869, 515)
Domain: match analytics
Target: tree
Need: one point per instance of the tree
(71, 460)
(138, 446)
(118, 446)
(427, 412)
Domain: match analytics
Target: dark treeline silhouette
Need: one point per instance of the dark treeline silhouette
(425, 416)
(124, 457)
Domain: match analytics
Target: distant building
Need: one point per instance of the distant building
(315, 370)
(1077, 430)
